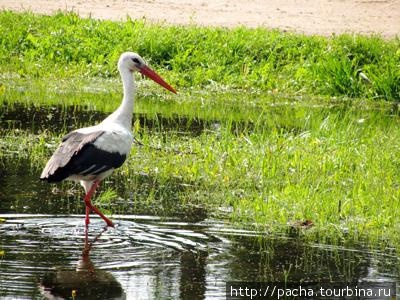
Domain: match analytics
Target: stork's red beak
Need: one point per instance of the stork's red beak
(146, 71)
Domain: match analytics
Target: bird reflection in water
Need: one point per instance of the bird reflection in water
(86, 282)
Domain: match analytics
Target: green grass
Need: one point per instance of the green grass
(337, 167)
(64, 46)
(273, 127)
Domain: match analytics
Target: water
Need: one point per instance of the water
(64, 119)
(46, 253)
(146, 257)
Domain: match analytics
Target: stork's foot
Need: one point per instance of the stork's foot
(107, 220)
(97, 211)
(109, 223)
(90, 207)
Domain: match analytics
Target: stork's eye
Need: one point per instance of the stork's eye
(135, 60)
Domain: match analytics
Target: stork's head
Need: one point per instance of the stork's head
(134, 62)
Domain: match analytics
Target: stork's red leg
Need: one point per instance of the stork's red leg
(87, 220)
(90, 207)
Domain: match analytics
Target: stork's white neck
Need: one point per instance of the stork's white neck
(123, 114)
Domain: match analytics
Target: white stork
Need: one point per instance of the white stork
(91, 154)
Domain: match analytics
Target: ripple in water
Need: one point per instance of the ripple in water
(46, 256)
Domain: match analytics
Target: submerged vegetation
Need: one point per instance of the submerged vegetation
(255, 131)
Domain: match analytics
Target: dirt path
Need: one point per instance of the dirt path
(308, 16)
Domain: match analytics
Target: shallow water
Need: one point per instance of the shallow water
(181, 256)
(147, 257)
(63, 119)
(45, 252)
(284, 117)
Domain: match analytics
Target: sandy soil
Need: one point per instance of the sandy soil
(307, 16)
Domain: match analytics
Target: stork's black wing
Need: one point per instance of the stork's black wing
(77, 155)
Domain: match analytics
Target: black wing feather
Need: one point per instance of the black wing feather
(77, 155)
